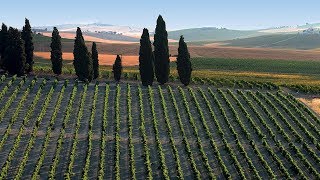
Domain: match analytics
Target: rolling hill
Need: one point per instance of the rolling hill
(212, 34)
(286, 41)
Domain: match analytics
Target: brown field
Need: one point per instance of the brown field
(214, 51)
(104, 59)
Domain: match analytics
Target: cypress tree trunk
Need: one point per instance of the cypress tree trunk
(183, 62)
(161, 52)
(95, 59)
(82, 58)
(117, 68)
(3, 43)
(28, 44)
(146, 59)
(14, 55)
(56, 52)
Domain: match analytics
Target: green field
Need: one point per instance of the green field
(64, 129)
(283, 41)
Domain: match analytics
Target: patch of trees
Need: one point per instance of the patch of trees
(85, 63)
(16, 49)
(157, 62)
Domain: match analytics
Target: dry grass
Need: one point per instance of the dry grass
(70, 35)
(313, 103)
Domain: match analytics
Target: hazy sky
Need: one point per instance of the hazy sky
(178, 14)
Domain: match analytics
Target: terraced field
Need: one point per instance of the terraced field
(53, 129)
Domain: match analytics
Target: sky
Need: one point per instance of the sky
(178, 14)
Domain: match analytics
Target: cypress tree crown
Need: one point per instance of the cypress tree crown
(28, 44)
(117, 68)
(14, 55)
(3, 42)
(95, 59)
(161, 52)
(184, 66)
(146, 59)
(56, 52)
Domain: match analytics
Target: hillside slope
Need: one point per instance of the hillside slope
(287, 41)
(212, 34)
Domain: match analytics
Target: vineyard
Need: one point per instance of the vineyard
(52, 129)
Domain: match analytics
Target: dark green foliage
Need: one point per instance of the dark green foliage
(95, 59)
(161, 52)
(117, 68)
(14, 55)
(56, 53)
(3, 42)
(82, 58)
(183, 62)
(146, 59)
(28, 45)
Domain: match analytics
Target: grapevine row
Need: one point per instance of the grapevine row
(169, 131)
(185, 139)
(234, 134)
(48, 133)
(66, 118)
(90, 134)
(130, 132)
(69, 172)
(247, 134)
(144, 136)
(155, 128)
(195, 131)
(35, 131)
(117, 136)
(26, 119)
(103, 134)
(13, 97)
(213, 143)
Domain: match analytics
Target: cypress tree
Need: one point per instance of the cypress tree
(3, 42)
(161, 52)
(56, 52)
(146, 59)
(117, 68)
(14, 55)
(28, 45)
(82, 59)
(95, 59)
(183, 62)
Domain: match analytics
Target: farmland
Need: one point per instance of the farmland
(64, 129)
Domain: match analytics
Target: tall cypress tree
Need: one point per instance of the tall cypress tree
(117, 68)
(56, 52)
(82, 59)
(14, 55)
(3, 42)
(161, 52)
(183, 62)
(146, 59)
(28, 45)
(95, 60)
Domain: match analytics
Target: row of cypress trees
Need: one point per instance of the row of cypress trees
(16, 55)
(16, 49)
(157, 62)
(86, 64)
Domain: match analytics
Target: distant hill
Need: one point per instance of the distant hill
(96, 27)
(291, 41)
(212, 34)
